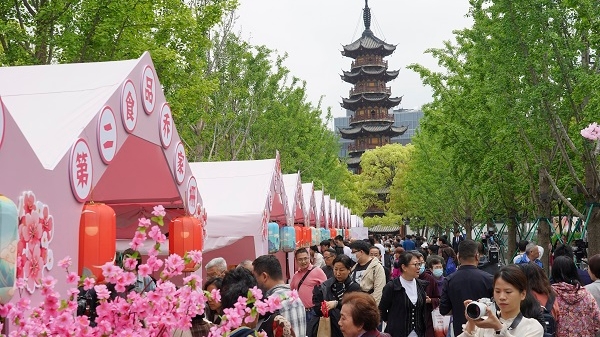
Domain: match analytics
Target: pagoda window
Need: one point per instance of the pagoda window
(373, 114)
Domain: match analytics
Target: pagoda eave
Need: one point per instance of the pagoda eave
(368, 43)
(360, 73)
(364, 130)
(382, 100)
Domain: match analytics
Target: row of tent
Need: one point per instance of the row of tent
(72, 134)
(242, 197)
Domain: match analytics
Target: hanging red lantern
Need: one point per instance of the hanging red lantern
(299, 237)
(306, 236)
(332, 233)
(9, 223)
(97, 238)
(185, 234)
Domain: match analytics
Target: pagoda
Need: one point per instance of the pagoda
(371, 124)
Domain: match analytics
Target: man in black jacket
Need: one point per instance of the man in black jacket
(458, 238)
(466, 283)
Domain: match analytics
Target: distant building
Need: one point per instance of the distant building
(402, 117)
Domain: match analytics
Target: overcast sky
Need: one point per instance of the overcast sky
(312, 33)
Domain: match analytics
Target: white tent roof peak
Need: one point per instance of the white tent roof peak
(52, 104)
(310, 206)
(295, 198)
(234, 187)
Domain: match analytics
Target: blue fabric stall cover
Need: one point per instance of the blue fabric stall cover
(287, 236)
(273, 237)
(315, 237)
(324, 234)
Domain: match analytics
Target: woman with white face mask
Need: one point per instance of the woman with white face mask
(432, 300)
(435, 267)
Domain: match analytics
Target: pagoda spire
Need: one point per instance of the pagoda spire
(367, 18)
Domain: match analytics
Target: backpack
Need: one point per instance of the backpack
(549, 322)
(450, 266)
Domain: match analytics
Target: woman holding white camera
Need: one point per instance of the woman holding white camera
(510, 288)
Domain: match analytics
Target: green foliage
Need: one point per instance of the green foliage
(389, 219)
(381, 167)
(230, 100)
(503, 128)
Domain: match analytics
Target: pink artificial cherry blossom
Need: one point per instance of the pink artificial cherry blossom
(65, 263)
(159, 211)
(32, 270)
(591, 132)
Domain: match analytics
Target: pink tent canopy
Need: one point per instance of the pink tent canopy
(320, 209)
(296, 207)
(102, 132)
(310, 208)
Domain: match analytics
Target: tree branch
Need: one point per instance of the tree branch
(560, 195)
(29, 8)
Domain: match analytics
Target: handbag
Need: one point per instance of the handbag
(324, 329)
(440, 323)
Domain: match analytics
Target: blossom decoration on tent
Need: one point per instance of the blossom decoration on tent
(36, 231)
(156, 312)
(202, 216)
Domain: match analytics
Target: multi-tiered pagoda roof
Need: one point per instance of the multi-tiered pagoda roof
(370, 100)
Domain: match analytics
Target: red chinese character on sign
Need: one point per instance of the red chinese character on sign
(192, 195)
(130, 102)
(148, 90)
(167, 125)
(82, 167)
(180, 158)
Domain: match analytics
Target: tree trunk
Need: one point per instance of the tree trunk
(592, 198)
(544, 210)
(469, 226)
(512, 233)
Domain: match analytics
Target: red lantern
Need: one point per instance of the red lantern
(332, 233)
(97, 238)
(307, 235)
(347, 234)
(185, 234)
(299, 237)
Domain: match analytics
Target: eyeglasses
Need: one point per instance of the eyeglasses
(416, 264)
(355, 251)
(328, 257)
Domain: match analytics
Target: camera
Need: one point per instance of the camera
(478, 309)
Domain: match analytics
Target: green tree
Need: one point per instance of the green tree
(380, 169)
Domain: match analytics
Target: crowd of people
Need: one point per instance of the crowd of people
(394, 287)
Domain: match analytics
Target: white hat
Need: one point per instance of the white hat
(424, 245)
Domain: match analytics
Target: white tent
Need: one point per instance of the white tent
(310, 207)
(295, 197)
(241, 198)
